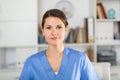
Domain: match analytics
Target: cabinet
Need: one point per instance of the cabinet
(18, 10)
(9, 74)
(107, 35)
(18, 35)
(19, 21)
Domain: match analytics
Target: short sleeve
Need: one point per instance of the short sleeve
(87, 70)
(26, 71)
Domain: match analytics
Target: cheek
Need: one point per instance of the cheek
(63, 34)
(46, 32)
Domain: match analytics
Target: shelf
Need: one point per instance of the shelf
(11, 70)
(108, 20)
(108, 44)
(70, 44)
(42, 45)
(108, 7)
(108, 0)
(15, 46)
(79, 44)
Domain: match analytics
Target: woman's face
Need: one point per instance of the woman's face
(54, 31)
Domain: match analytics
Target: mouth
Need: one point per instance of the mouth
(53, 38)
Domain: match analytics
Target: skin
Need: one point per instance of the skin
(54, 32)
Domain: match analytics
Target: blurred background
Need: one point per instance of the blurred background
(94, 28)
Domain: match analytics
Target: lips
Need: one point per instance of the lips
(53, 38)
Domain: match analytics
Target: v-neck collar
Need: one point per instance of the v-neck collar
(51, 74)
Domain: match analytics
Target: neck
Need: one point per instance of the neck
(54, 55)
(55, 50)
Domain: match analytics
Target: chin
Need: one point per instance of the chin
(55, 43)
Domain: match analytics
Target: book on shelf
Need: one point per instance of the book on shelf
(82, 34)
(74, 35)
(101, 14)
(90, 54)
(70, 35)
(85, 32)
(90, 29)
(81, 38)
(41, 38)
(117, 32)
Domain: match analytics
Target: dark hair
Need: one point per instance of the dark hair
(55, 13)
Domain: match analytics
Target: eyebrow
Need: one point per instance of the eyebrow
(47, 25)
(56, 25)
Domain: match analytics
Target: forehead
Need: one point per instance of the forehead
(53, 20)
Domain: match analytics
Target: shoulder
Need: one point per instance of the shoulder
(35, 57)
(78, 57)
(75, 52)
(75, 55)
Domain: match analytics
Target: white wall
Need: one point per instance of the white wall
(81, 10)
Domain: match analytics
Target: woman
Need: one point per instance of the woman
(57, 62)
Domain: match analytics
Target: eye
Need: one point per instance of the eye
(59, 27)
(48, 27)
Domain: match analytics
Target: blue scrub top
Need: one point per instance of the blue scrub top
(75, 66)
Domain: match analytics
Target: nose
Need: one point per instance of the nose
(54, 31)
